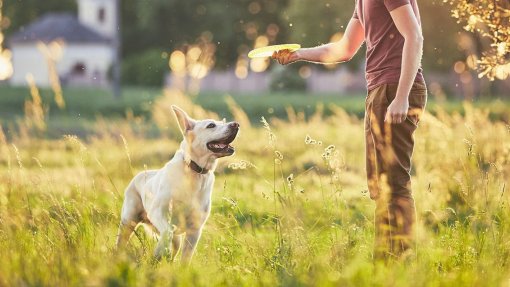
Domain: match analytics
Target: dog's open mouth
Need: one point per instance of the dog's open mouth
(222, 146)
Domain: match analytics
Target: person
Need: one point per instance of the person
(396, 97)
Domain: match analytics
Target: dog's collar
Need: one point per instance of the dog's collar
(196, 168)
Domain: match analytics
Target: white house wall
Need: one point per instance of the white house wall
(96, 57)
(27, 58)
(88, 15)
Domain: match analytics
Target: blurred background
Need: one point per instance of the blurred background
(112, 57)
(161, 40)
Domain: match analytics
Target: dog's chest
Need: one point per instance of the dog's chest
(190, 204)
(192, 193)
(181, 194)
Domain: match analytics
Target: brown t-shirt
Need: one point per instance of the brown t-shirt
(384, 42)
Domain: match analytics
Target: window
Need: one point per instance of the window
(101, 15)
(78, 69)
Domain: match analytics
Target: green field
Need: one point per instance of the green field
(88, 103)
(283, 213)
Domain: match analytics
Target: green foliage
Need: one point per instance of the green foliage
(170, 24)
(441, 32)
(312, 23)
(490, 21)
(286, 79)
(22, 12)
(147, 68)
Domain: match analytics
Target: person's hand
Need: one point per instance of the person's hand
(397, 111)
(285, 57)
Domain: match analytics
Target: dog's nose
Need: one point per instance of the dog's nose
(234, 125)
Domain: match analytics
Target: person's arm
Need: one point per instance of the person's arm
(336, 52)
(407, 24)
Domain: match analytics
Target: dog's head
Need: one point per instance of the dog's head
(207, 137)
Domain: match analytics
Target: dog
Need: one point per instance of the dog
(176, 199)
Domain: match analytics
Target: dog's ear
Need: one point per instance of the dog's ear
(185, 122)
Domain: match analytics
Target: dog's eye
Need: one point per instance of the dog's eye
(211, 126)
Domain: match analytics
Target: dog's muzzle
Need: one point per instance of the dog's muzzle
(222, 146)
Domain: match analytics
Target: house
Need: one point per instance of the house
(82, 47)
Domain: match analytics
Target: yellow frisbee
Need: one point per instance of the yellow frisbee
(269, 50)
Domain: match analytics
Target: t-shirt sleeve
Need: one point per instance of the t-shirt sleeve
(394, 4)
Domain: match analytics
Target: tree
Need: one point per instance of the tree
(312, 23)
(441, 33)
(171, 24)
(22, 12)
(490, 20)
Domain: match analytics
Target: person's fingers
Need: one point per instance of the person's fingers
(387, 117)
(288, 55)
(287, 58)
(280, 58)
(277, 56)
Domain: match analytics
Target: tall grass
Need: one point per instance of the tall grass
(290, 208)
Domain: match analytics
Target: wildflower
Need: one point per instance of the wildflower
(290, 180)
(272, 136)
(240, 165)
(309, 140)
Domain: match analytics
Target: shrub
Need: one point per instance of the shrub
(145, 69)
(287, 79)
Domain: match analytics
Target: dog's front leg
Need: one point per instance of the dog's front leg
(190, 244)
(125, 231)
(163, 248)
(176, 245)
(161, 219)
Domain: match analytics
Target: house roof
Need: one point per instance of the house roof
(55, 26)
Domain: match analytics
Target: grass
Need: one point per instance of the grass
(88, 103)
(282, 214)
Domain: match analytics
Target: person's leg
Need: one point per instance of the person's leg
(399, 170)
(376, 104)
(390, 184)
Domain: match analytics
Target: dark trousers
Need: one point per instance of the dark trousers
(389, 148)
